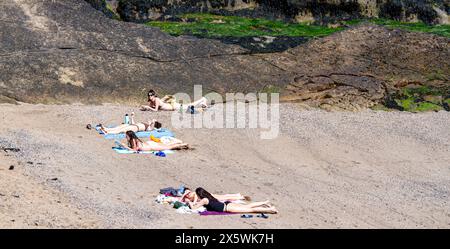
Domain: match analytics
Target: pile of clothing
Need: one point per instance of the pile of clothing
(172, 196)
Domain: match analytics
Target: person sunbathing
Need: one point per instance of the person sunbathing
(136, 127)
(192, 197)
(169, 103)
(136, 144)
(207, 200)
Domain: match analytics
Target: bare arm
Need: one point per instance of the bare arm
(134, 146)
(182, 197)
(132, 118)
(125, 146)
(149, 106)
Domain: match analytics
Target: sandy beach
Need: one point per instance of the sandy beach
(370, 169)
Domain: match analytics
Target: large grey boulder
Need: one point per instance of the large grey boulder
(66, 51)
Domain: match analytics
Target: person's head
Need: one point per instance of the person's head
(158, 125)
(189, 194)
(151, 95)
(202, 193)
(131, 136)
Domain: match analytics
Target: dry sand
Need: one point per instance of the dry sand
(325, 170)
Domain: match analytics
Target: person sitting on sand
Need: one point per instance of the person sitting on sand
(136, 127)
(192, 197)
(169, 103)
(205, 199)
(135, 144)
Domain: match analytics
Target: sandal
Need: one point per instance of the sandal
(262, 216)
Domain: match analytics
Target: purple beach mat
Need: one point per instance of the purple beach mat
(215, 213)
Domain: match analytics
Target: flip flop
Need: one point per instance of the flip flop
(246, 216)
(262, 216)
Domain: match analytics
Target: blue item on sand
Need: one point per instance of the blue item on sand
(181, 190)
(122, 150)
(160, 153)
(262, 216)
(246, 216)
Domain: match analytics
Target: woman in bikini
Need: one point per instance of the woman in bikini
(169, 103)
(142, 126)
(135, 144)
(205, 199)
(192, 197)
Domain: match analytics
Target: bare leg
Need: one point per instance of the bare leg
(239, 208)
(179, 146)
(258, 204)
(229, 197)
(159, 147)
(201, 102)
(120, 129)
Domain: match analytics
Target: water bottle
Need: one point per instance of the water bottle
(127, 119)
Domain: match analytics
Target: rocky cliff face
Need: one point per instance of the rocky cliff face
(66, 51)
(322, 11)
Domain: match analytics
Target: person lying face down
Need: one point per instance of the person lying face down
(136, 127)
(136, 144)
(169, 103)
(203, 198)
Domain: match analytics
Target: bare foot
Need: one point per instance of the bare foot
(103, 129)
(273, 210)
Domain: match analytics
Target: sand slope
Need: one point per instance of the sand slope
(326, 170)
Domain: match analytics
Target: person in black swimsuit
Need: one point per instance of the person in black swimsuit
(208, 201)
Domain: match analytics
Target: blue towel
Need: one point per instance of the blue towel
(125, 151)
(158, 133)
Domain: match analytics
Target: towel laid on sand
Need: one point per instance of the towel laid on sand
(157, 133)
(184, 209)
(215, 213)
(187, 210)
(121, 150)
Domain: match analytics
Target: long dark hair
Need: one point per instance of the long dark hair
(151, 93)
(202, 193)
(132, 136)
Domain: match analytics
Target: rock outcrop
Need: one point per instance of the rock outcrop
(66, 51)
(322, 11)
(359, 67)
